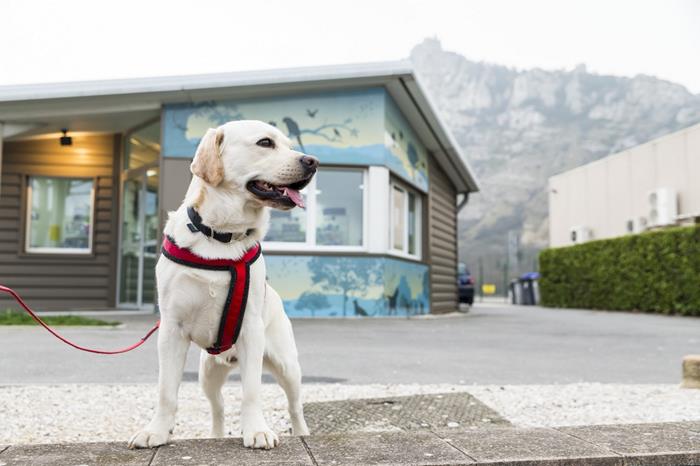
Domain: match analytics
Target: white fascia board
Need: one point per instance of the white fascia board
(166, 84)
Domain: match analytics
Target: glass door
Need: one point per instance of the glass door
(138, 248)
(129, 257)
(139, 238)
(151, 227)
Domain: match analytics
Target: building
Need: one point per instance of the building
(649, 186)
(90, 170)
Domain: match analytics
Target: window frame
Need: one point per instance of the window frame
(29, 250)
(311, 221)
(417, 195)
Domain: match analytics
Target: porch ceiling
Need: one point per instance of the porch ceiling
(96, 121)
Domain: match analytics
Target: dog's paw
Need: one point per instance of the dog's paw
(147, 439)
(264, 438)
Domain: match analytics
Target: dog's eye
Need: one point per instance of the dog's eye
(266, 142)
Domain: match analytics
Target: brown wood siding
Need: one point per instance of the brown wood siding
(442, 242)
(56, 281)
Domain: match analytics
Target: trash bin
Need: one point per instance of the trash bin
(516, 292)
(530, 291)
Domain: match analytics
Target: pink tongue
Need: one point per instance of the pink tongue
(294, 195)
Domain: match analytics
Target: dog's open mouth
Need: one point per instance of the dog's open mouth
(287, 195)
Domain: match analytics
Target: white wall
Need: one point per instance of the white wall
(605, 194)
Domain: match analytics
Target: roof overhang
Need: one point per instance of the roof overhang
(116, 105)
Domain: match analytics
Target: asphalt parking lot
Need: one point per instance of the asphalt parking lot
(492, 344)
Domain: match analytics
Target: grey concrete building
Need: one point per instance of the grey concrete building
(653, 185)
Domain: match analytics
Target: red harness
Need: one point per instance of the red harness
(234, 307)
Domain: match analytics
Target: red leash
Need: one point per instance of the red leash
(12, 292)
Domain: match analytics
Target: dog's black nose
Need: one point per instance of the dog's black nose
(309, 163)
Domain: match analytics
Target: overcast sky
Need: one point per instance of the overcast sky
(44, 41)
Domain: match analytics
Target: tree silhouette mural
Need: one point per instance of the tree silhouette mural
(212, 111)
(343, 275)
(331, 132)
(219, 114)
(312, 301)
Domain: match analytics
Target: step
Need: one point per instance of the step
(629, 444)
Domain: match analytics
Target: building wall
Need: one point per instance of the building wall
(361, 127)
(442, 241)
(604, 195)
(57, 281)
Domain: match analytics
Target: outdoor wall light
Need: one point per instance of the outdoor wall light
(65, 139)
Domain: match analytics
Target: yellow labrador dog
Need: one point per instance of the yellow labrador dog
(240, 169)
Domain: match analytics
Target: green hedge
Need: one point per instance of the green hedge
(651, 272)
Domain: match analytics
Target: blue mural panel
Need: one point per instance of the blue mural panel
(341, 286)
(361, 127)
(406, 287)
(406, 156)
(342, 127)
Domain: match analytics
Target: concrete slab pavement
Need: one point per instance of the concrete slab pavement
(653, 444)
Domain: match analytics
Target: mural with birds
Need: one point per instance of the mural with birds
(363, 127)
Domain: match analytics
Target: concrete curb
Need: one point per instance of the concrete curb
(662, 444)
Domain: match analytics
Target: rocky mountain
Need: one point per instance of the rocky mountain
(519, 127)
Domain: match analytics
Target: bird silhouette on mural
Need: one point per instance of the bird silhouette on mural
(311, 113)
(412, 154)
(294, 131)
(337, 133)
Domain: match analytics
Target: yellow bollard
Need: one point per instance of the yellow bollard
(691, 371)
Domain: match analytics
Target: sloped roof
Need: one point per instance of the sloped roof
(34, 107)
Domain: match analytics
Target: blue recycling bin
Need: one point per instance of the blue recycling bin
(529, 289)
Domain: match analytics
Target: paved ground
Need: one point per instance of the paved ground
(649, 444)
(492, 344)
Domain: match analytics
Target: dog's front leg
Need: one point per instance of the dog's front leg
(172, 353)
(251, 347)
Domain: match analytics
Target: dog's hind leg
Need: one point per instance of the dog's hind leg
(212, 376)
(282, 361)
(172, 353)
(288, 374)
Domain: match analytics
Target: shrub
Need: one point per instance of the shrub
(12, 317)
(651, 272)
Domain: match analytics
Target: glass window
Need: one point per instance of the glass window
(397, 218)
(334, 214)
(59, 217)
(412, 224)
(143, 147)
(405, 221)
(339, 208)
(288, 226)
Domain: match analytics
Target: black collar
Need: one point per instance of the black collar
(198, 226)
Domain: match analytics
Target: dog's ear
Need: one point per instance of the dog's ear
(207, 162)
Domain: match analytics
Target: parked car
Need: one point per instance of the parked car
(465, 284)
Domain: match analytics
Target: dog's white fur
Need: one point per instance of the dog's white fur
(191, 300)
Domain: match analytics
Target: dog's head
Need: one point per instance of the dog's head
(257, 159)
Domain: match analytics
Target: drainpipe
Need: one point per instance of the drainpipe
(463, 202)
